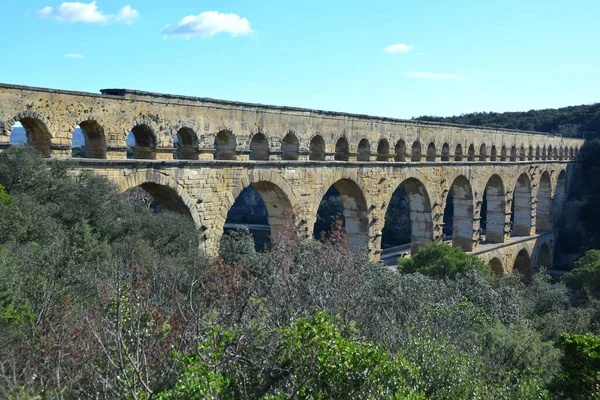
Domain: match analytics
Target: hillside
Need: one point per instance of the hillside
(573, 121)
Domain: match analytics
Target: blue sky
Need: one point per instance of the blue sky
(443, 58)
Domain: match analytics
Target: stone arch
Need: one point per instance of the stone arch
(445, 152)
(496, 266)
(462, 221)
(383, 150)
(561, 153)
(342, 149)
(458, 153)
(522, 153)
(290, 147)
(431, 153)
(522, 204)
(146, 140)
(513, 153)
(416, 151)
(503, 153)
(317, 148)
(493, 153)
(36, 128)
(400, 150)
(550, 152)
(482, 152)
(354, 210)
(544, 257)
(259, 147)
(530, 153)
(538, 153)
(471, 153)
(95, 140)
(544, 203)
(571, 154)
(187, 143)
(560, 194)
(165, 190)
(495, 215)
(275, 192)
(420, 210)
(225, 145)
(363, 150)
(523, 265)
(544, 153)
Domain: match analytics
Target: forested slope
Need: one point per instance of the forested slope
(573, 121)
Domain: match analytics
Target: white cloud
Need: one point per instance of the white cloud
(432, 75)
(127, 15)
(208, 24)
(75, 55)
(398, 48)
(89, 13)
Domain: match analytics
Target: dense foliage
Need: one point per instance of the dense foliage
(102, 298)
(574, 121)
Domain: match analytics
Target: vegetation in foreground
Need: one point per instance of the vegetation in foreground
(101, 298)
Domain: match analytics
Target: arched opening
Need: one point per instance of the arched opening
(33, 132)
(400, 151)
(259, 147)
(263, 208)
(482, 153)
(354, 211)
(416, 151)
(431, 152)
(493, 215)
(523, 266)
(458, 218)
(364, 151)
(513, 153)
(544, 153)
(88, 140)
(496, 266)
(225, 145)
(408, 217)
(290, 147)
(538, 153)
(383, 150)
(458, 153)
(471, 153)
(186, 143)
(493, 153)
(555, 154)
(544, 203)
(550, 152)
(530, 153)
(521, 216)
(503, 153)
(560, 196)
(571, 154)
(342, 150)
(157, 198)
(544, 258)
(561, 153)
(142, 143)
(445, 152)
(522, 154)
(317, 148)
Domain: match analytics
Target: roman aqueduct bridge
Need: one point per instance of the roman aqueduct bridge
(196, 155)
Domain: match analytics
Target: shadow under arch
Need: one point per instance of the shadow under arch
(560, 194)
(496, 266)
(494, 201)
(521, 206)
(544, 203)
(94, 140)
(523, 265)
(354, 211)
(166, 191)
(544, 257)
(408, 218)
(460, 202)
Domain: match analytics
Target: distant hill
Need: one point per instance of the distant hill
(573, 121)
(19, 135)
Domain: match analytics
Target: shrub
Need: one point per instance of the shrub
(580, 378)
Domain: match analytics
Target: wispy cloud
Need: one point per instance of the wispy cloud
(74, 55)
(208, 24)
(433, 75)
(398, 48)
(88, 13)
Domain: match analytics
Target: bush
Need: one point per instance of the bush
(581, 366)
(584, 279)
(441, 260)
